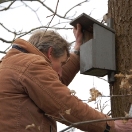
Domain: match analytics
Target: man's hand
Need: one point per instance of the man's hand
(121, 126)
(78, 35)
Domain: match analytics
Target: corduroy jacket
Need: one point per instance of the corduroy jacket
(33, 97)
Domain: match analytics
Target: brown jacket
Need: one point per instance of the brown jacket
(32, 97)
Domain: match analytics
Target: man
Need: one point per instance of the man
(34, 76)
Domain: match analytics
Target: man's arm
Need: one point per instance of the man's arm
(54, 98)
(71, 68)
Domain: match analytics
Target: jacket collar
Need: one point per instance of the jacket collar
(29, 47)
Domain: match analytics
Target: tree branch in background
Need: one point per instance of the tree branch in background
(79, 4)
(3, 1)
(8, 29)
(102, 79)
(8, 48)
(117, 95)
(53, 15)
(57, 28)
(49, 8)
(21, 34)
(2, 52)
(33, 11)
(18, 34)
(6, 41)
(64, 17)
(94, 121)
(59, 23)
(91, 12)
(6, 8)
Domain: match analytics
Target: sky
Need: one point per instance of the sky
(23, 18)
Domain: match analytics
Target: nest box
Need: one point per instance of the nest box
(97, 53)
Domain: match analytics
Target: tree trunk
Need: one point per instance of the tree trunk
(121, 12)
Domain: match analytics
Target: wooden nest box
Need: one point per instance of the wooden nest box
(97, 53)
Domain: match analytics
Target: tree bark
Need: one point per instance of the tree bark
(121, 12)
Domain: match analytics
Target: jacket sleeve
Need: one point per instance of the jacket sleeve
(43, 86)
(70, 69)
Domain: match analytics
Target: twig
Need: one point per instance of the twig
(6, 40)
(2, 52)
(59, 23)
(58, 14)
(33, 11)
(72, 15)
(7, 48)
(49, 9)
(57, 28)
(93, 121)
(75, 6)
(53, 15)
(3, 1)
(11, 7)
(6, 8)
(109, 113)
(7, 29)
(13, 32)
(25, 33)
(91, 12)
(117, 95)
(102, 79)
(72, 42)
(113, 96)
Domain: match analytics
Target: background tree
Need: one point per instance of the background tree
(121, 12)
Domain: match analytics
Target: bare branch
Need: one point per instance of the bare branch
(59, 23)
(6, 8)
(102, 79)
(3, 1)
(25, 33)
(64, 17)
(52, 11)
(94, 121)
(113, 96)
(33, 11)
(2, 52)
(12, 7)
(53, 15)
(72, 42)
(57, 28)
(49, 8)
(7, 29)
(79, 4)
(72, 15)
(117, 95)
(91, 12)
(8, 48)
(6, 40)
(109, 113)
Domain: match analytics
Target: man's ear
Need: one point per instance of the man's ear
(50, 52)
